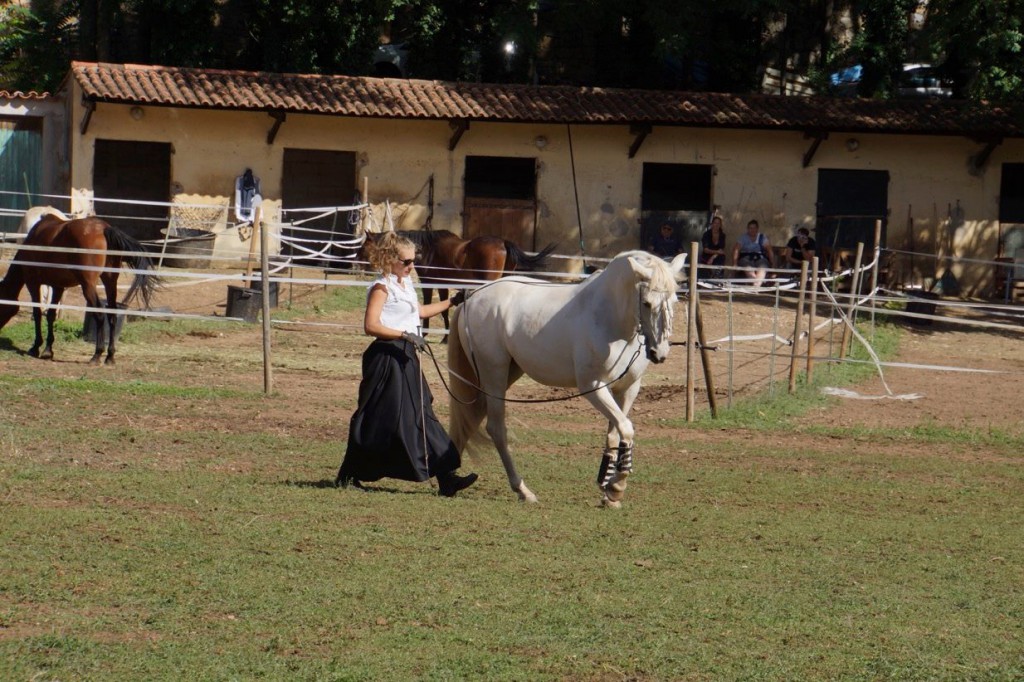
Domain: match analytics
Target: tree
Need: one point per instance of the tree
(35, 45)
(978, 45)
(686, 44)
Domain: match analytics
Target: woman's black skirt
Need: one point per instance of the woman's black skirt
(394, 432)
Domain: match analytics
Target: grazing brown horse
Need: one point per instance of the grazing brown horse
(84, 264)
(446, 258)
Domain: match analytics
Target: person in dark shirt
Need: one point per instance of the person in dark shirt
(800, 248)
(665, 244)
(713, 248)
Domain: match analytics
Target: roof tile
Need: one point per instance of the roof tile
(435, 100)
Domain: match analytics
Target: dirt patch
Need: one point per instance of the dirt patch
(966, 377)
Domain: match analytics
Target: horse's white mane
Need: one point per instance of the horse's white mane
(662, 277)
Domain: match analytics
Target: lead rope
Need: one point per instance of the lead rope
(423, 418)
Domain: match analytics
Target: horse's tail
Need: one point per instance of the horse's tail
(467, 406)
(517, 259)
(10, 287)
(146, 280)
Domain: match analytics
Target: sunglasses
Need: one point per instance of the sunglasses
(407, 261)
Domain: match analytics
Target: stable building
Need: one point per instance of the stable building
(594, 170)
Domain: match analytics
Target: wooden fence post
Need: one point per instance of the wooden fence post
(796, 327)
(268, 379)
(851, 311)
(709, 379)
(812, 319)
(691, 325)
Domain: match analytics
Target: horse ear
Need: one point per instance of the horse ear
(678, 263)
(641, 268)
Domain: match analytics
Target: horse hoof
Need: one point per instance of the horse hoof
(109, 361)
(614, 494)
(33, 352)
(94, 361)
(46, 356)
(525, 494)
(611, 504)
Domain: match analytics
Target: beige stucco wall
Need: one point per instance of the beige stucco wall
(758, 174)
(54, 171)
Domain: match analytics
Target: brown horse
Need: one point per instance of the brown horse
(446, 258)
(85, 263)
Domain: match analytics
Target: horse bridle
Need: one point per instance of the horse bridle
(640, 331)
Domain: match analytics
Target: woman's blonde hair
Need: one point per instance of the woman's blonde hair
(384, 251)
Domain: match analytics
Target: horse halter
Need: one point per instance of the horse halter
(646, 323)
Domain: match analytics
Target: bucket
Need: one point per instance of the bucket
(922, 303)
(248, 303)
(186, 248)
(89, 324)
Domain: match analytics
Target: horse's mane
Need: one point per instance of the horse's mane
(662, 277)
(427, 239)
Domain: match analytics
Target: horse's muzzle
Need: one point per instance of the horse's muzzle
(654, 357)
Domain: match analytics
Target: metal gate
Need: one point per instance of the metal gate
(21, 145)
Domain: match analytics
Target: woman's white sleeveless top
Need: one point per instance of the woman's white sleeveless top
(402, 307)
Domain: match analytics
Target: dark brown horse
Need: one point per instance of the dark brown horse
(85, 263)
(446, 258)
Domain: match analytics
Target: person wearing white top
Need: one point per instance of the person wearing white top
(394, 432)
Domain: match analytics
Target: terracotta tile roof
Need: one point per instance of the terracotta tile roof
(18, 94)
(420, 99)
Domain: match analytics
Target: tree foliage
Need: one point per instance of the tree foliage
(978, 44)
(686, 44)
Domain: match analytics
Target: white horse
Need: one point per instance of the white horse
(28, 221)
(597, 336)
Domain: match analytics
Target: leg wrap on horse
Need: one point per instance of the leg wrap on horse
(624, 463)
(607, 470)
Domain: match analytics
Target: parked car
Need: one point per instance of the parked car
(922, 80)
(916, 80)
(391, 60)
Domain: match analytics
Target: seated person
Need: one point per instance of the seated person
(753, 253)
(800, 248)
(713, 247)
(665, 244)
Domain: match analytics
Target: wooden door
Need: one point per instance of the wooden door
(137, 171)
(501, 199)
(314, 178)
(511, 219)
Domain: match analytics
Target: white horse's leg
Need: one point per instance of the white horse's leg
(624, 462)
(619, 440)
(499, 434)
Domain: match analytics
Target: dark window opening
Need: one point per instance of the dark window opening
(22, 123)
(314, 178)
(500, 177)
(677, 194)
(849, 203)
(676, 187)
(1011, 193)
(138, 172)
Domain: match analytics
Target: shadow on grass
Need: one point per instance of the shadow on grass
(361, 487)
(322, 483)
(7, 345)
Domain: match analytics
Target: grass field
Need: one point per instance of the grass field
(222, 552)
